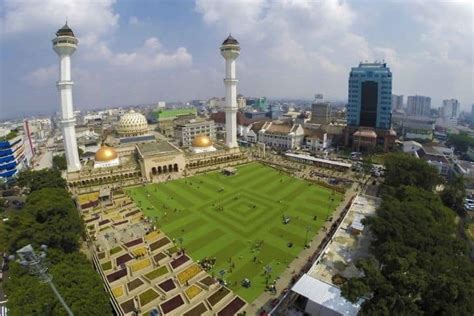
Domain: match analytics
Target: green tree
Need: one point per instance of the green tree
(59, 162)
(74, 277)
(419, 265)
(404, 169)
(461, 142)
(454, 193)
(36, 180)
(48, 217)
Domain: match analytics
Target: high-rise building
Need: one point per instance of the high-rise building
(450, 109)
(370, 96)
(418, 105)
(397, 102)
(65, 44)
(320, 112)
(241, 102)
(12, 155)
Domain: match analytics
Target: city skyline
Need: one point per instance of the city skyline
(135, 53)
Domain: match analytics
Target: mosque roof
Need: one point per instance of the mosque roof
(105, 153)
(230, 41)
(201, 141)
(65, 31)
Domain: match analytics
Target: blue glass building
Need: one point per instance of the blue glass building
(370, 96)
(12, 157)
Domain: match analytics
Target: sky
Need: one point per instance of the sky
(144, 51)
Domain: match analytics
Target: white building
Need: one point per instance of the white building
(450, 109)
(316, 140)
(411, 146)
(418, 105)
(186, 131)
(397, 102)
(281, 135)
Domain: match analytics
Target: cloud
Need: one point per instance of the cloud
(296, 48)
(90, 17)
(42, 76)
(133, 20)
(151, 56)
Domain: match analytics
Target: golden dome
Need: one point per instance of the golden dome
(105, 153)
(201, 141)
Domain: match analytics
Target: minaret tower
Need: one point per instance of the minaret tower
(230, 50)
(65, 44)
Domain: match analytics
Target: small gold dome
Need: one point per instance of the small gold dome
(105, 153)
(201, 141)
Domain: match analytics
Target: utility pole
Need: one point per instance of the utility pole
(36, 266)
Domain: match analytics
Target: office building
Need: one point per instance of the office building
(12, 155)
(320, 111)
(370, 96)
(397, 102)
(418, 105)
(369, 109)
(186, 131)
(450, 109)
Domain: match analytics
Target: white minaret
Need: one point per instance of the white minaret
(230, 50)
(65, 44)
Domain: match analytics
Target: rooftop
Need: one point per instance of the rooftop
(151, 149)
(65, 31)
(325, 295)
(172, 113)
(230, 41)
(346, 248)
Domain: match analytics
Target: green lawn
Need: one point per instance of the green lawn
(227, 217)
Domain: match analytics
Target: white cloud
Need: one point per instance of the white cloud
(315, 43)
(42, 76)
(133, 20)
(151, 56)
(90, 17)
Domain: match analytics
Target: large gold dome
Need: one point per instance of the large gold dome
(201, 141)
(105, 153)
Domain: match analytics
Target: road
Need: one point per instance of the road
(45, 159)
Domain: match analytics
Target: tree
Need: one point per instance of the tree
(74, 277)
(454, 193)
(48, 217)
(419, 265)
(404, 169)
(59, 162)
(36, 180)
(461, 142)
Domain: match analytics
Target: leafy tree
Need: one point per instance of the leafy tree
(48, 217)
(461, 142)
(419, 265)
(59, 162)
(36, 180)
(75, 279)
(454, 193)
(404, 169)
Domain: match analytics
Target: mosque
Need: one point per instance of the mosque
(133, 153)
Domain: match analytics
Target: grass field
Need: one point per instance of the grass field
(228, 217)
